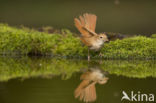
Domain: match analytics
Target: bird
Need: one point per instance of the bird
(86, 90)
(86, 25)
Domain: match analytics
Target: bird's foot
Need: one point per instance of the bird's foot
(100, 54)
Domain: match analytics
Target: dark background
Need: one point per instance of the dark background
(126, 16)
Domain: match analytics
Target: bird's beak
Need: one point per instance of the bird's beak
(106, 40)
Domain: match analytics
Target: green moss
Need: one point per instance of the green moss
(32, 67)
(47, 67)
(15, 41)
(134, 47)
(153, 36)
(133, 69)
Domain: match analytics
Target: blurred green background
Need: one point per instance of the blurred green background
(125, 16)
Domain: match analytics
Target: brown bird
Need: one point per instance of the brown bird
(86, 91)
(86, 25)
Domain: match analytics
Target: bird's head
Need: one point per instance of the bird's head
(103, 36)
(103, 80)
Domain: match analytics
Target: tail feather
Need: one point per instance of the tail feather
(90, 93)
(90, 20)
(86, 24)
(80, 89)
(79, 26)
(82, 19)
(86, 91)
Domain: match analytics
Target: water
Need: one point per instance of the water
(51, 80)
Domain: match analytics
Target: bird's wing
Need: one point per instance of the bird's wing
(90, 93)
(79, 91)
(86, 91)
(90, 20)
(86, 24)
(85, 76)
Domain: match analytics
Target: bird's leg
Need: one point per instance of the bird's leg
(88, 55)
(100, 54)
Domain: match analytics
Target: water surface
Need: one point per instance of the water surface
(50, 80)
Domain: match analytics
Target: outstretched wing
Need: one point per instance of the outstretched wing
(90, 93)
(86, 24)
(86, 91)
(79, 91)
(90, 20)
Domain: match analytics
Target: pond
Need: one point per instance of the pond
(54, 80)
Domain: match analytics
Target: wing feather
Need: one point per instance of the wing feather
(79, 26)
(86, 24)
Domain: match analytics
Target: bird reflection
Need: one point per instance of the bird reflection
(86, 91)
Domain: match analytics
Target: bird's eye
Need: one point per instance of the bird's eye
(101, 37)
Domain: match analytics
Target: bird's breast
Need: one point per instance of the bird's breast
(96, 75)
(97, 45)
(92, 42)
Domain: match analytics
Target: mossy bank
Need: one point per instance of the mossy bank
(14, 41)
(26, 67)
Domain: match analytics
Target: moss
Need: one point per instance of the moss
(15, 41)
(26, 67)
(24, 41)
(134, 47)
(32, 67)
(132, 69)
(153, 36)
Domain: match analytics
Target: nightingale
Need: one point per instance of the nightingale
(86, 91)
(86, 25)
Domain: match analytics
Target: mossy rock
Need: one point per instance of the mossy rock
(14, 41)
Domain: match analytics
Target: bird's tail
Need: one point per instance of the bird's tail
(86, 92)
(86, 24)
(90, 93)
(80, 89)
